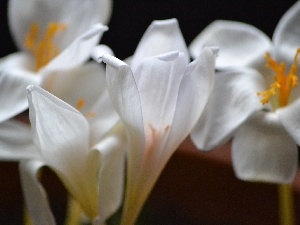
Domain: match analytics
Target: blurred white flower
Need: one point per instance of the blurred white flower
(53, 36)
(255, 105)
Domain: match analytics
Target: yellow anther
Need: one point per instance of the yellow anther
(283, 82)
(43, 48)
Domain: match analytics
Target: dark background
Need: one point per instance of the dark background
(130, 19)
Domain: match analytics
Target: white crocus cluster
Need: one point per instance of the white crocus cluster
(108, 133)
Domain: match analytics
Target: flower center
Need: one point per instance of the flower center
(43, 48)
(283, 82)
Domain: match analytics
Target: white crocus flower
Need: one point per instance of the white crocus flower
(257, 106)
(91, 170)
(52, 36)
(159, 102)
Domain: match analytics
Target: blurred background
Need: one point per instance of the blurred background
(206, 191)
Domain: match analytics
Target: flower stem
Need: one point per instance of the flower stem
(286, 205)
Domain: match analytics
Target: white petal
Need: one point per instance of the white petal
(60, 131)
(16, 142)
(34, 194)
(263, 151)
(86, 83)
(125, 97)
(111, 176)
(62, 134)
(289, 117)
(15, 76)
(194, 91)
(99, 50)
(233, 99)
(78, 51)
(158, 80)
(236, 42)
(286, 36)
(161, 37)
(76, 14)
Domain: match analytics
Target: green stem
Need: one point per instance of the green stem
(286, 205)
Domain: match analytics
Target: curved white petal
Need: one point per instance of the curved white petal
(195, 89)
(125, 97)
(240, 44)
(158, 79)
(34, 193)
(233, 99)
(111, 154)
(16, 142)
(86, 83)
(15, 76)
(99, 50)
(77, 15)
(62, 134)
(162, 36)
(286, 36)
(263, 151)
(78, 51)
(289, 117)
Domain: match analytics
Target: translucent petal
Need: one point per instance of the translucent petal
(162, 36)
(289, 117)
(111, 154)
(16, 142)
(233, 99)
(15, 76)
(34, 193)
(236, 42)
(194, 91)
(263, 151)
(286, 35)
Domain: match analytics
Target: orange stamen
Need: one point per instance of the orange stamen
(283, 82)
(43, 49)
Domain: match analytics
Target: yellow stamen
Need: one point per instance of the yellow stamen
(283, 82)
(43, 48)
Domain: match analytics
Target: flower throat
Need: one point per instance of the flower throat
(43, 48)
(283, 82)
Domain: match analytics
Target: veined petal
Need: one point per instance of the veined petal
(62, 134)
(78, 51)
(158, 79)
(16, 142)
(289, 117)
(162, 36)
(262, 150)
(236, 42)
(86, 84)
(286, 35)
(125, 97)
(15, 76)
(235, 98)
(77, 15)
(111, 154)
(34, 193)
(194, 92)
